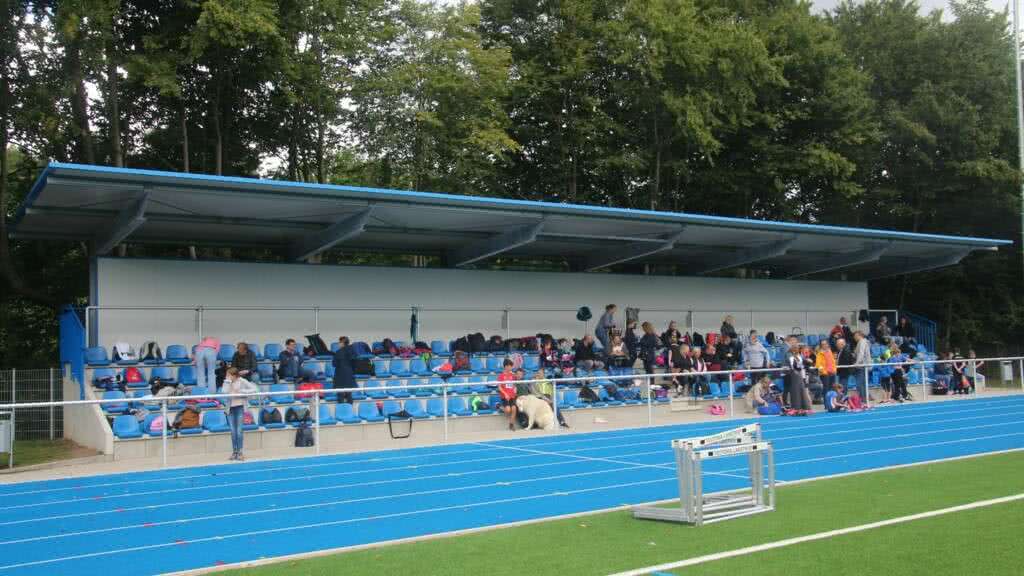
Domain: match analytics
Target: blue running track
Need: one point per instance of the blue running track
(170, 520)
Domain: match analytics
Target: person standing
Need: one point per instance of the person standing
(632, 342)
(755, 355)
(825, 363)
(728, 328)
(861, 357)
(344, 370)
(796, 384)
(844, 357)
(883, 331)
(206, 362)
(235, 384)
(605, 325)
(507, 391)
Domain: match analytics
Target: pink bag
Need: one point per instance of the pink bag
(157, 424)
(716, 410)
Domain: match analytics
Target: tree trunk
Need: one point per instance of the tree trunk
(184, 136)
(80, 100)
(656, 176)
(113, 99)
(218, 142)
(293, 145)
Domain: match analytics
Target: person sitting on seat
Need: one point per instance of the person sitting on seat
(290, 361)
(681, 364)
(668, 335)
(618, 355)
(586, 357)
(245, 361)
(507, 391)
(542, 388)
(834, 399)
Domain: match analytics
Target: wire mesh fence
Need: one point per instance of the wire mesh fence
(19, 386)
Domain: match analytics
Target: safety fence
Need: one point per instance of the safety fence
(1010, 376)
(21, 386)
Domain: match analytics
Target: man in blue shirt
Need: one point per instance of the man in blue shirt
(290, 361)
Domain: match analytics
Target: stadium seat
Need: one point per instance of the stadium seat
(164, 373)
(437, 363)
(435, 407)
(256, 350)
(215, 421)
(380, 368)
(400, 367)
(226, 352)
(272, 351)
(415, 408)
(421, 392)
(396, 389)
(147, 423)
(99, 374)
(280, 397)
(570, 400)
(142, 384)
(270, 425)
(713, 391)
(478, 365)
(126, 426)
(202, 391)
(96, 356)
(376, 394)
(458, 385)
(115, 407)
(531, 363)
(345, 414)
(419, 368)
(187, 375)
(439, 348)
(495, 364)
(266, 372)
(478, 385)
(177, 354)
(302, 414)
(391, 407)
(607, 398)
(325, 416)
(457, 407)
(369, 413)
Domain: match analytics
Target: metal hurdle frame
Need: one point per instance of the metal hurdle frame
(697, 509)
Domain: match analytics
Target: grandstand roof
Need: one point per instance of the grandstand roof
(110, 205)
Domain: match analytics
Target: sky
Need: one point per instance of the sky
(926, 5)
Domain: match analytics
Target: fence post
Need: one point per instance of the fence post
(650, 400)
(867, 382)
(508, 323)
(807, 324)
(163, 434)
(751, 322)
(51, 403)
(14, 424)
(732, 392)
(444, 407)
(924, 381)
(316, 422)
(1021, 374)
(554, 405)
(201, 334)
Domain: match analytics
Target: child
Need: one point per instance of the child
(544, 389)
(508, 392)
(853, 401)
(834, 400)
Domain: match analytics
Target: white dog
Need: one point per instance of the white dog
(537, 411)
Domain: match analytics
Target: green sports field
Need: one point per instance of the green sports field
(981, 541)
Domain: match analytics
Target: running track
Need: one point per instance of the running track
(170, 520)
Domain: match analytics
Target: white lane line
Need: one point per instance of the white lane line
(336, 460)
(219, 538)
(819, 536)
(916, 422)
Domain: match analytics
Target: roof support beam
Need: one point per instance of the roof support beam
(495, 245)
(869, 253)
(128, 220)
(919, 265)
(630, 252)
(316, 242)
(750, 255)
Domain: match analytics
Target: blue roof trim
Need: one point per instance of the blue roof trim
(605, 211)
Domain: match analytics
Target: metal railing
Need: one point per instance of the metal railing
(563, 383)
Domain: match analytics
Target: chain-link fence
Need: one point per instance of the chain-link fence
(38, 385)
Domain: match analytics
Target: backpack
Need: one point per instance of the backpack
(477, 343)
(716, 410)
(297, 414)
(583, 314)
(461, 345)
(133, 375)
(362, 349)
(187, 418)
(389, 347)
(318, 346)
(150, 350)
(308, 386)
(588, 395)
(123, 351)
(157, 424)
(363, 367)
(247, 418)
(271, 416)
(303, 435)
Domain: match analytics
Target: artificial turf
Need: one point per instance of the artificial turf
(614, 541)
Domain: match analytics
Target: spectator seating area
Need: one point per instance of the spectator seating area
(413, 384)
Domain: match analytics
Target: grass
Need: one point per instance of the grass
(29, 452)
(614, 541)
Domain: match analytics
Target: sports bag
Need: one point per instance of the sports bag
(296, 414)
(304, 435)
(271, 416)
(716, 410)
(157, 424)
(247, 418)
(133, 375)
(400, 424)
(308, 386)
(588, 395)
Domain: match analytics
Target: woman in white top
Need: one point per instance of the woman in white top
(235, 384)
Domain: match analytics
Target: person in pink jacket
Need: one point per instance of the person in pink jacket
(206, 363)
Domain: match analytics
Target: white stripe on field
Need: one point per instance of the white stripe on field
(819, 536)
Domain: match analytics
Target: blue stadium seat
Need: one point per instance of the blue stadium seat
(266, 372)
(280, 397)
(437, 363)
(369, 413)
(458, 385)
(268, 425)
(400, 367)
(570, 400)
(478, 365)
(606, 398)
(421, 392)
(164, 373)
(187, 375)
(435, 407)
(147, 423)
(495, 364)
(96, 356)
(415, 408)
(272, 351)
(380, 368)
(115, 407)
(226, 352)
(99, 374)
(177, 354)
(325, 416)
(419, 368)
(396, 389)
(376, 394)
(256, 350)
(457, 407)
(126, 426)
(302, 414)
(531, 363)
(439, 348)
(202, 391)
(215, 421)
(478, 386)
(345, 414)
(713, 391)
(362, 350)
(391, 407)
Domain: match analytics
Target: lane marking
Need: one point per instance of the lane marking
(819, 536)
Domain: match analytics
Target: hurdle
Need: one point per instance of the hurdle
(696, 508)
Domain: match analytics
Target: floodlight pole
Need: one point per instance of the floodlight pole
(1020, 112)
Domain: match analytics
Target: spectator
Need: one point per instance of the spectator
(755, 355)
(763, 399)
(710, 358)
(905, 329)
(899, 376)
(550, 357)
(632, 342)
(728, 354)
(542, 388)
(861, 357)
(668, 335)
(681, 364)
(290, 361)
(245, 360)
(344, 370)
(618, 356)
(841, 330)
(796, 384)
(728, 328)
(585, 356)
(944, 372)
(812, 380)
(605, 325)
(834, 400)
(649, 344)
(971, 371)
(206, 362)
(235, 384)
(698, 382)
(507, 391)
(844, 357)
(883, 331)
(825, 363)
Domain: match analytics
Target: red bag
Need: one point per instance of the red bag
(247, 418)
(308, 386)
(133, 375)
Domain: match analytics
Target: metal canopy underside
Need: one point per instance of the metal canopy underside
(108, 205)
